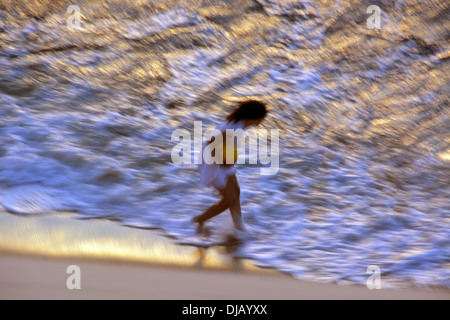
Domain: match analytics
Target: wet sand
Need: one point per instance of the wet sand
(117, 262)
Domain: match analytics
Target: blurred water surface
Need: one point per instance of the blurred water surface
(86, 117)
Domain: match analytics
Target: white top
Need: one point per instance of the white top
(216, 175)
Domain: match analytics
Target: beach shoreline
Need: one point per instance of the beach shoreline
(118, 262)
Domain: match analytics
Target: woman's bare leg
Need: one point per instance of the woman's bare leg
(212, 211)
(230, 199)
(235, 202)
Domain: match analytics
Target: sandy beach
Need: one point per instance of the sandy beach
(141, 264)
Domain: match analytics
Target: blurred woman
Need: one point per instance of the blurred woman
(222, 176)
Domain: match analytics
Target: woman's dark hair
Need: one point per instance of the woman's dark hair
(249, 109)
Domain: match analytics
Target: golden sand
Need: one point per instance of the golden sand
(60, 235)
(35, 253)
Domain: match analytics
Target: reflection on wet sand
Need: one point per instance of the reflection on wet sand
(63, 236)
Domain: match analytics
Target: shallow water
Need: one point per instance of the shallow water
(86, 117)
